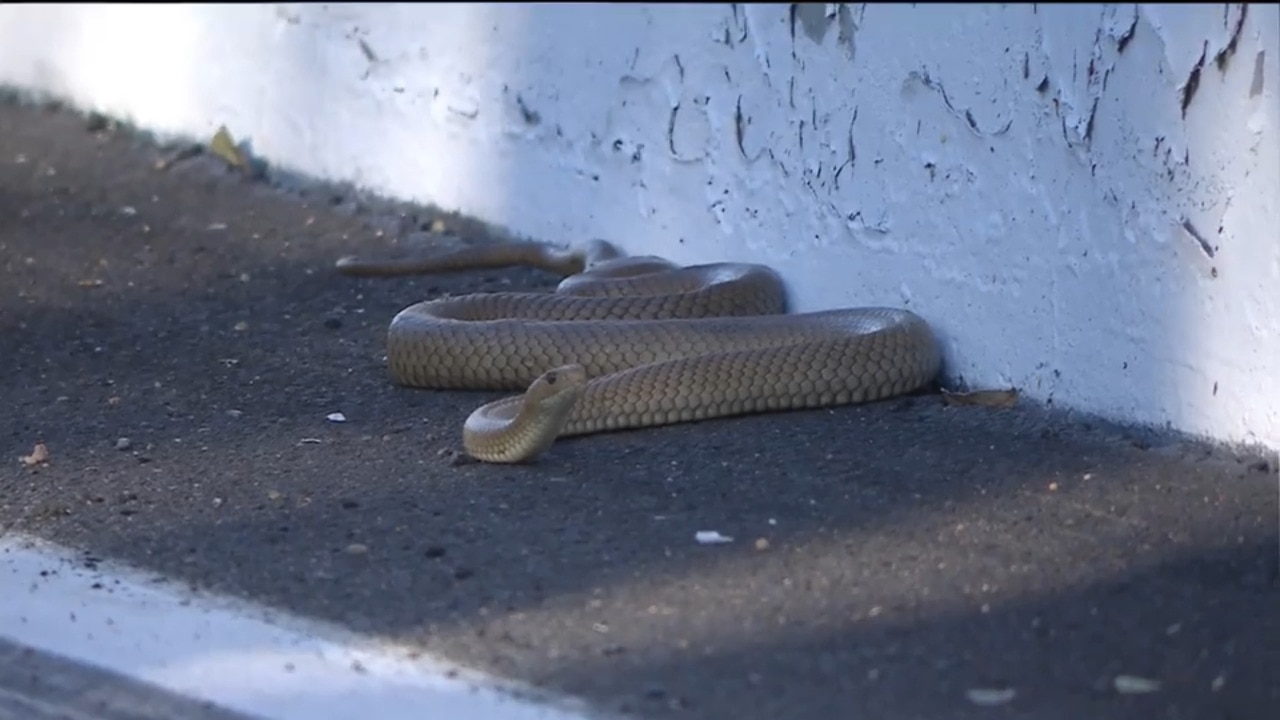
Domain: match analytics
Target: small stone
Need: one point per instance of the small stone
(762, 543)
(123, 443)
(434, 551)
(357, 549)
(332, 323)
(39, 455)
(991, 697)
(274, 494)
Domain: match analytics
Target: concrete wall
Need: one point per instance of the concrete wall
(1082, 198)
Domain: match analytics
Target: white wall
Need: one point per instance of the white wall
(1032, 179)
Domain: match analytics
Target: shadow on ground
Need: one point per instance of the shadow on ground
(177, 340)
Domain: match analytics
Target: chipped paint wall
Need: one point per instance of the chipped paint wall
(1082, 198)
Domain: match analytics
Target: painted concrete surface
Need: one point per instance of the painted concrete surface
(236, 655)
(1081, 198)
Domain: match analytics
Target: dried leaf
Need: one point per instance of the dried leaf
(224, 147)
(1001, 399)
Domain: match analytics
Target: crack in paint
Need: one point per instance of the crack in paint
(740, 132)
(1122, 41)
(852, 158)
(740, 20)
(924, 78)
(1088, 126)
(671, 130)
(1193, 80)
(1208, 249)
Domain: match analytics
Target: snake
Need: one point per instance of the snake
(627, 342)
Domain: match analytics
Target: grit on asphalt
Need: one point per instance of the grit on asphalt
(177, 338)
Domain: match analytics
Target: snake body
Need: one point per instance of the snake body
(631, 342)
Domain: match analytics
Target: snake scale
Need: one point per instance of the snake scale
(631, 342)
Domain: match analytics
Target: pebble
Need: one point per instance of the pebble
(124, 443)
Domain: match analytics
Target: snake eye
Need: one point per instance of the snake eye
(551, 378)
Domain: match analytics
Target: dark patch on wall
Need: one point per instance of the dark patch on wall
(814, 22)
(845, 19)
(531, 116)
(1223, 56)
(1259, 62)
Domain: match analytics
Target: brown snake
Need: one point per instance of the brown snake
(630, 342)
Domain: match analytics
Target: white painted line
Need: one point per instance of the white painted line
(243, 657)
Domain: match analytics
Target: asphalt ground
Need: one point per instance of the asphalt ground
(176, 338)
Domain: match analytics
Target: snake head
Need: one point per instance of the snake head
(556, 390)
(518, 429)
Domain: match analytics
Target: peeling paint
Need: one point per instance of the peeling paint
(816, 19)
(923, 78)
(1058, 188)
(1193, 82)
(1223, 56)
